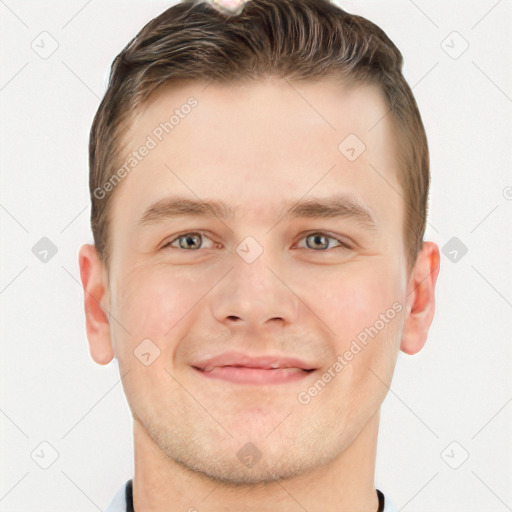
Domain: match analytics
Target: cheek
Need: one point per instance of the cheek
(362, 305)
(150, 304)
(371, 324)
(352, 299)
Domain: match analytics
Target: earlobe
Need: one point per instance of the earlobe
(96, 304)
(420, 299)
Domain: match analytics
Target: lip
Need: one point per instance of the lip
(243, 369)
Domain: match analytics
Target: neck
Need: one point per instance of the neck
(344, 485)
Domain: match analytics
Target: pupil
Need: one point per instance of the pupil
(318, 239)
(190, 241)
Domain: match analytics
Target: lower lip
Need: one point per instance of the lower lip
(243, 375)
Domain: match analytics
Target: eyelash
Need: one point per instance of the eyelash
(342, 245)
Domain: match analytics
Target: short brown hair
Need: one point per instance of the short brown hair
(295, 39)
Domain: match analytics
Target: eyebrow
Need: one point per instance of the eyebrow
(338, 206)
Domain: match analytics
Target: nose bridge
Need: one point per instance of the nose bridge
(252, 293)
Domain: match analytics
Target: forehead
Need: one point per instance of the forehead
(258, 144)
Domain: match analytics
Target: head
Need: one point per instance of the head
(259, 185)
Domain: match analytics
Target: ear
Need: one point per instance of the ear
(96, 304)
(420, 299)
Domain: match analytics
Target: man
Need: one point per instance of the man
(259, 184)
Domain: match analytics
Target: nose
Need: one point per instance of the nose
(254, 295)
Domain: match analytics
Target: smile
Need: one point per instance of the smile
(246, 375)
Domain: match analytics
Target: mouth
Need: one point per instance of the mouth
(245, 375)
(241, 369)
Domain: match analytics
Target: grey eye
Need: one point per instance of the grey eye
(318, 241)
(190, 241)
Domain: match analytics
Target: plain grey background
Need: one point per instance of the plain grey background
(444, 443)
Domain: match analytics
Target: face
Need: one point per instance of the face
(300, 261)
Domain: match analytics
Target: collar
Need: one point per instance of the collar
(129, 498)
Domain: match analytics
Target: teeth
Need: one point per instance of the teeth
(207, 368)
(274, 365)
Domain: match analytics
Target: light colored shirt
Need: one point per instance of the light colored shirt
(118, 503)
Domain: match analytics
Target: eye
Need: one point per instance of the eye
(321, 240)
(192, 241)
(317, 241)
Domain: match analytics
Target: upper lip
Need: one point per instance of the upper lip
(265, 362)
